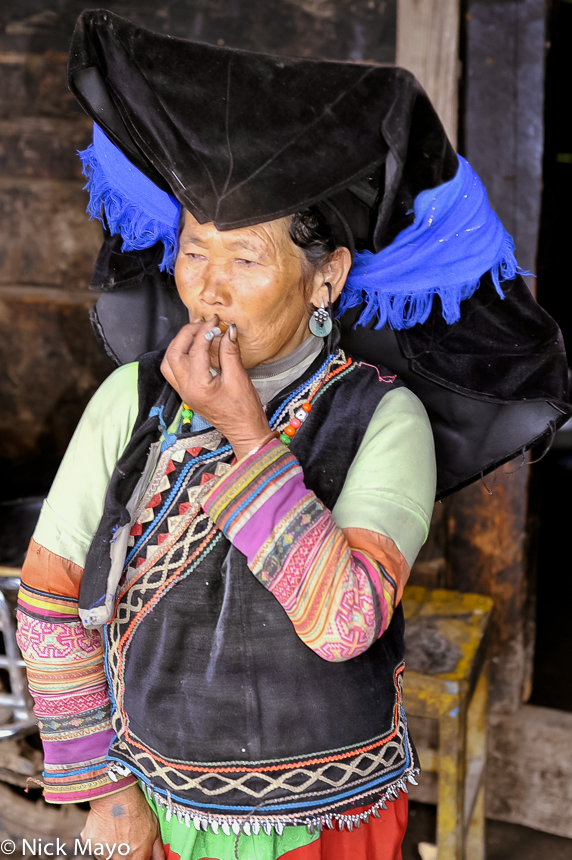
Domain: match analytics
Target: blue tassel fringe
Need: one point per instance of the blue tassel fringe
(406, 310)
(137, 229)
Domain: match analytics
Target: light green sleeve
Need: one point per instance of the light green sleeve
(390, 487)
(71, 513)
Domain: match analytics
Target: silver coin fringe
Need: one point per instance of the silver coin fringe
(249, 826)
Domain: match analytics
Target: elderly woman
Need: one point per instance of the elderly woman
(252, 601)
(210, 607)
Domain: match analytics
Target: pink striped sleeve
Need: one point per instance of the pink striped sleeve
(66, 678)
(339, 600)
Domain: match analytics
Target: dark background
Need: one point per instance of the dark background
(551, 485)
(357, 30)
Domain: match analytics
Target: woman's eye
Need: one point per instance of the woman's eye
(246, 262)
(192, 256)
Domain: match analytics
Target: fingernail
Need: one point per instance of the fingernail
(232, 333)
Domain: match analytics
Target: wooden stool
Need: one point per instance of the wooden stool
(446, 680)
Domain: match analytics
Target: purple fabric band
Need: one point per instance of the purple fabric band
(79, 750)
(261, 524)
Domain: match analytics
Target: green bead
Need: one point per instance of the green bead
(284, 438)
(187, 413)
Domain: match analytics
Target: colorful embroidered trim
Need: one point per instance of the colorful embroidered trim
(251, 484)
(78, 784)
(46, 606)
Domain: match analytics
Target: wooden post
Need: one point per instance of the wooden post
(428, 45)
(486, 555)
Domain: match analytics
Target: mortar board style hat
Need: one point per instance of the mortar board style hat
(240, 138)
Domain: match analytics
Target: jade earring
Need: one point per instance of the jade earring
(320, 323)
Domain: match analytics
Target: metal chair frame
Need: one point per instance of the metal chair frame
(22, 720)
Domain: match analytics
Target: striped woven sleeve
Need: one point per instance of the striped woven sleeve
(66, 677)
(339, 598)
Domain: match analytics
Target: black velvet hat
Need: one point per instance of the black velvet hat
(239, 138)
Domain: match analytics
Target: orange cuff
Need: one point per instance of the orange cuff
(383, 550)
(48, 572)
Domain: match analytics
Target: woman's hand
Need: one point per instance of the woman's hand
(120, 819)
(229, 400)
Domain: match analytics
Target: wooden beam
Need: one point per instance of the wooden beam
(529, 769)
(428, 46)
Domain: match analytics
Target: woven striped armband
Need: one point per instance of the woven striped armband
(253, 487)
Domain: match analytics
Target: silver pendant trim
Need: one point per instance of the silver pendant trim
(253, 825)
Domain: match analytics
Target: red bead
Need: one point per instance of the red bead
(290, 431)
(307, 407)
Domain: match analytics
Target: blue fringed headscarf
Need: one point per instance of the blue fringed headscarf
(132, 204)
(455, 238)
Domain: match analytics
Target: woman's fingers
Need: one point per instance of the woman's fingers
(199, 350)
(183, 341)
(167, 372)
(187, 356)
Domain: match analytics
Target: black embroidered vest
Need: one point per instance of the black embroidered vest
(220, 709)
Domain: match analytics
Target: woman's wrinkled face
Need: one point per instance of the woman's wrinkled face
(251, 277)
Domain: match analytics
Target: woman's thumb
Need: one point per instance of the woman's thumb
(229, 350)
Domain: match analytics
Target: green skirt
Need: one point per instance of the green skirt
(188, 843)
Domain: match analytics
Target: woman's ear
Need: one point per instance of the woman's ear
(335, 273)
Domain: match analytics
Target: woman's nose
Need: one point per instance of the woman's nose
(216, 288)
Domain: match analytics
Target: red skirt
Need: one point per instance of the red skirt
(379, 839)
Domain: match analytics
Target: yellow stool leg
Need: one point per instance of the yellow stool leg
(451, 797)
(476, 762)
(475, 844)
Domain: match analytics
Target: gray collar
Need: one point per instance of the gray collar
(308, 349)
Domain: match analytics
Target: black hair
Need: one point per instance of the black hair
(310, 230)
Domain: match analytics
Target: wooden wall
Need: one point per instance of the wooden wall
(489, 544)
(49, 364)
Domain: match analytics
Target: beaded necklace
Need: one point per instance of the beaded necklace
(299, 411)
(187, 416)
(299, 405)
